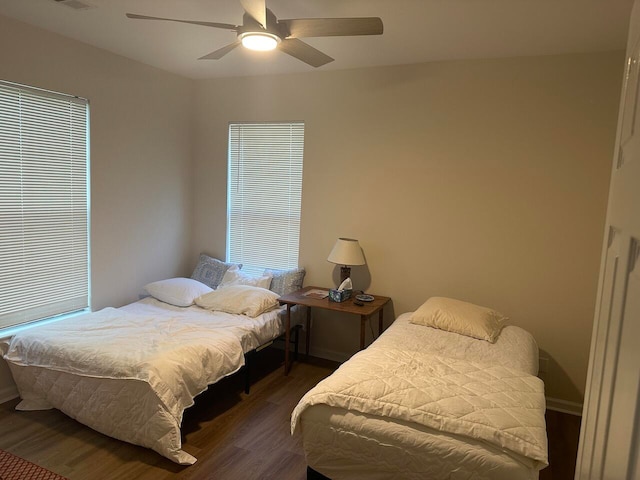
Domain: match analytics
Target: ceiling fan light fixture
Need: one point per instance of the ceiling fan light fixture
(260, 41)
(261, 30)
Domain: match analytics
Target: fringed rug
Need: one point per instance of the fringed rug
(16, 468)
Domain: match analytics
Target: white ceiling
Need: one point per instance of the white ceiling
(415, 31)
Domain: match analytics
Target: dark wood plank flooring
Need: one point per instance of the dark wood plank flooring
(563, 433)
(233, 435)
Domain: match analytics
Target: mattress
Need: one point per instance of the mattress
(252, 332)
(342, 441)
(183, 351)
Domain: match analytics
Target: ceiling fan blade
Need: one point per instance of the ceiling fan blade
(226, 26)
(221, 52)
(256, 9)
(302, 51)
(330, 27)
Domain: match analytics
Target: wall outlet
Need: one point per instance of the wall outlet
(543, 365)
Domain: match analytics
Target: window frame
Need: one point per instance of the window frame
(293, 184)
(77, 161)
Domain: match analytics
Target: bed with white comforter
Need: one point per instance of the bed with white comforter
(131, 372)
(425, 403)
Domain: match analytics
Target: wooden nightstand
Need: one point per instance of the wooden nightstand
(298, 298)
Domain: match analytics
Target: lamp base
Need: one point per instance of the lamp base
(345, 272)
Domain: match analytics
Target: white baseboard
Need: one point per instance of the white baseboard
(8, 393)
(329, 355)
(332, 355)
(572, 408)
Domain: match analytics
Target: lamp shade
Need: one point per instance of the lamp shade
(346, 251)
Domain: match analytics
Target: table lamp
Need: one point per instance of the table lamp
(346, 252)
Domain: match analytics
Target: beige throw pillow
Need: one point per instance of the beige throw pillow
(460, 317)
(240, 299)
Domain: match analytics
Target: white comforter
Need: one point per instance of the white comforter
(131, 372)
(177, 359)
(490, 403)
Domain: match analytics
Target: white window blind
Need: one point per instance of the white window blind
(44, 250)
(264, 194)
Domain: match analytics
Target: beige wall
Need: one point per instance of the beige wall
(140, 156)
(480, 180)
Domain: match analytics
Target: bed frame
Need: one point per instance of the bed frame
(162, 427)
(356, 443)
(249, 357)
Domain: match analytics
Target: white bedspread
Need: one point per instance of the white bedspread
(131, 372)
(252, 332)
(177, 358)
(490, 403)
(515, 348)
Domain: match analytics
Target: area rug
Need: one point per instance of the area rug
(16, 468)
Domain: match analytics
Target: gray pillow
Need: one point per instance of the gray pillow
(286, 281)
(210, 270)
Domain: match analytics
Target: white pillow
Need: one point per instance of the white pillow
(233, 276)
(240, 299)
(180, 292)
(460, 317)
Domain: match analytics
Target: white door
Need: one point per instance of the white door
(610, 434)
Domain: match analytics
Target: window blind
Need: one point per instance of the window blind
(264, 195)
(44, 250)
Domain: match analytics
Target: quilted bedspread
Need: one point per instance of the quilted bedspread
(177, 359)
(140, 357)
(490, 403)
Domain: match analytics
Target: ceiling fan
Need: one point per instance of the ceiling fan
(261, 30)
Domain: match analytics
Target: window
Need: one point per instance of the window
(264, 195)
(44, 235)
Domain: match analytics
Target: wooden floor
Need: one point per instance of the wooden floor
(233, 435)
(563, 433)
